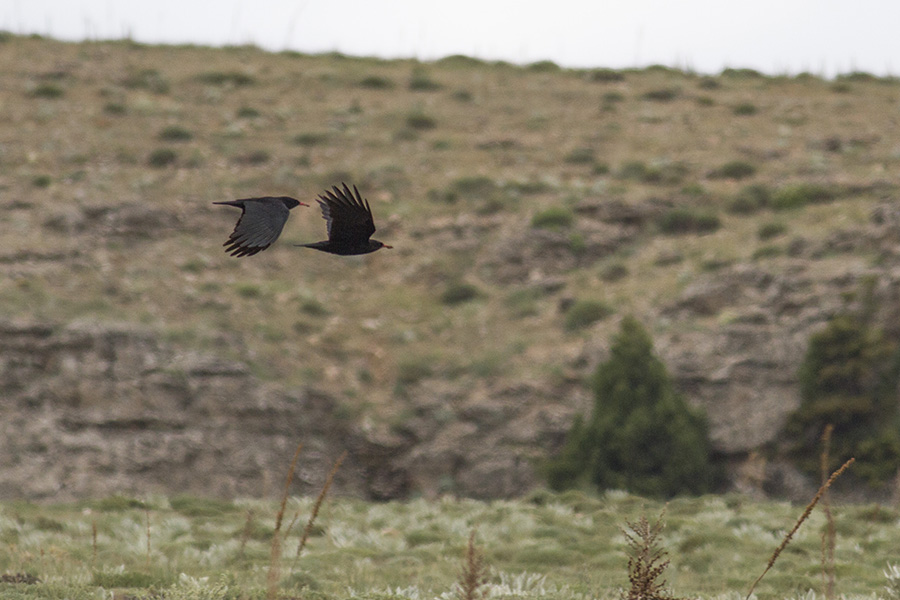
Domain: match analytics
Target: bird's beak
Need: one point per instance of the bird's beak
(303, 203)
(389, 247)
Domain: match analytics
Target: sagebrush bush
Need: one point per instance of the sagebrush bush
(662, 173)
(735, 169)
(247, 112)
(459, 292)
(554, 217)
(233, 78)
(41, 181)
(750, 199)
(605, 75)
(544, 66)
(771, 230)
(114, 108)
(147, 79)
(800, 194)
(162, 157)
(175, 133)
(48, 90)
(642, 436)
(310, 138)
(473, 185)
(584, 313)
(420, 81)
(581, 156)
(683, 220)
(376, 82)
(419, 120)
(661, 94)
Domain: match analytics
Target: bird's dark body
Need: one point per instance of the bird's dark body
(260, 224)
(350, 223)
(345, 250)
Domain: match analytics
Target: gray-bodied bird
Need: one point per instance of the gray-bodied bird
(350, 223)
(260, 224)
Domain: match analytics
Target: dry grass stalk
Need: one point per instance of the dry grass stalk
(147, 512)
(318, 504)
(245, 533)
(829, 534)
(647, 561)
(93, 543)
(275, 555)
(803, 517)
(474, 573)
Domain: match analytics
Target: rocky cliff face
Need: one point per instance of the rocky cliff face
(92, 410)
(95, 410)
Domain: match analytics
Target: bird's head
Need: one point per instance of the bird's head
(292, 202)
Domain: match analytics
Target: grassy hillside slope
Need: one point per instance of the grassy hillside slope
(529, 208)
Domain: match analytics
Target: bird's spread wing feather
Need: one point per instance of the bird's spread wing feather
(348, 216)
(260, 224)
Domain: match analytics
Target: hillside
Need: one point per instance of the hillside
(511, 195)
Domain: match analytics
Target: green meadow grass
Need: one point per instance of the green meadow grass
(566, 546)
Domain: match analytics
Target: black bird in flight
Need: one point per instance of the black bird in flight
(350, 223)
(260, 224)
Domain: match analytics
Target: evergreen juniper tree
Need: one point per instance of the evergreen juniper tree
(642, 436)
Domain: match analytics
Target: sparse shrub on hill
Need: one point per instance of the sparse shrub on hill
(555, 217)
(419, 120)
(581, 156)
(247, 112)
(175, 133)
(657, 174)
(642, 436)
(462, 95)
(376, 82)
(683, 220)
(48, 90)
(162, 157)
(41, 181)
(744, 109)
(584, 313)
(613, 97)
(310, 138)
(232, 78)
(544, 66)
(459, 292)
(114, 108)
(742, 73)
(735, 169)
(661, 95)
(478, 186)
(849, 379)
(771, 230)
(147, 79)
(800, 194)
(605, 75)
(420, 81)
(750, 199)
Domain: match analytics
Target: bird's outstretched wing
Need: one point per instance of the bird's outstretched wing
(348, 216)
(260, 224)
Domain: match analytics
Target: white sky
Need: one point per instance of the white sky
(775, 36)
